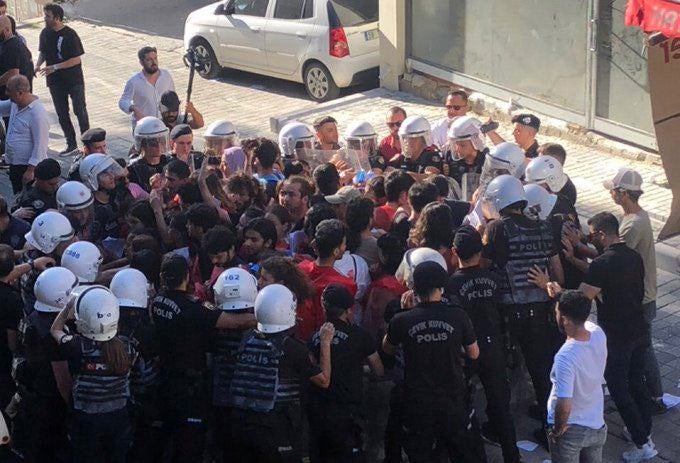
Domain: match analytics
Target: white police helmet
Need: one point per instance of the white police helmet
(293, 133)
(502, 192)
(48, 230)
(97, 313)
(275, 307)
(466, 128)
(416, 256)
(96, 164)
(73, 196)
(235, 289)
(52, 289)
(546, 170)
(539, 201)
(151, 131)
(414, 127)
(131, 288)
(83, 259)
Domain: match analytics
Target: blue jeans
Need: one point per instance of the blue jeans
(579, 444)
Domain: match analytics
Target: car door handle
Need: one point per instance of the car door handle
(302, 35)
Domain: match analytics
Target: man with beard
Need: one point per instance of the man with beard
(143, 91)
(259, 239)
(294, 194)
(171, 116)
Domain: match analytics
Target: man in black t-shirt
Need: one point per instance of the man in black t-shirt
(617, 276)
(432, 336)
(15, 58)
(477, 290)
(335, 413)
(61, 49)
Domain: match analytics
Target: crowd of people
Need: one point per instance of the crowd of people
(261, 300)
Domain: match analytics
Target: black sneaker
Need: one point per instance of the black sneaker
(489, 434)
(69, 149)
(657, 407)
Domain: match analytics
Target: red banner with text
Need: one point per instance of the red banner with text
(655, 16)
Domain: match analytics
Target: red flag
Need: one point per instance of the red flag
(655, 16)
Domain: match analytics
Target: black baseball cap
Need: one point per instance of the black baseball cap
(467, 242)
(428, 276)
(179, 130)
(47, 169)
(169, 102)
(527, 119)
(335, 295)
(93, 135)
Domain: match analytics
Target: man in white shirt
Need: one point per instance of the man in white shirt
(456, 106)
(28, 131)
(142, 94)
(576, 403)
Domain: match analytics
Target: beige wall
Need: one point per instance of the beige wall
(392, 42)
(22, 10)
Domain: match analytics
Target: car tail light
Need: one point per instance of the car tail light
(338, 43)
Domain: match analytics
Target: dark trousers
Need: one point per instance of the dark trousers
(16, 174)
(96, 434)
(625, 380)
(490, 368)
(334, 433)
(39, 429)
(146, 441)
(274, 437)
(182, 401)
(531, 327)
(446, 423)
(60, 97)
(393, 429)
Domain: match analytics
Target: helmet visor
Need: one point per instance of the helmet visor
(220, 144)
(411, 144)
(157, 145)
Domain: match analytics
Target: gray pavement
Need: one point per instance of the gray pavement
(250, 101)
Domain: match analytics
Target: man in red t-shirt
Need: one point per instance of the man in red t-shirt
(397, 184)
(329, 243)
(390, 146)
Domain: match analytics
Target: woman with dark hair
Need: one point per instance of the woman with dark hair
(434, 229)
(283, 221)
(360, 241)
(385, 287)
(183, 328)
(300, 240)
(282, 270)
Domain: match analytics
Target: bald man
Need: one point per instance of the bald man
(28, 131)
(15, 58)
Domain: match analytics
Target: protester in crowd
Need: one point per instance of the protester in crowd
(171, 115)
(390, 146)
(327, 136)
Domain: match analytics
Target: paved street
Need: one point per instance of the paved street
(250, 101)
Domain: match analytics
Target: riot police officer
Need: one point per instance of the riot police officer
(466, 154)
(100, 172)
(516, 244)
(548, 173)
(477, 291)
(420, 156)
(151, 141)
(235, 292)
(51, 233)
(265, 392)
(40, 195)
(295, 136)
(131, 288)
(94, 141)
(76, 202)
(40, 371)
(183, 330)
(83, 259)
(361, 137)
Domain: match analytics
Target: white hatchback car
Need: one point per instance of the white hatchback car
(325, 44)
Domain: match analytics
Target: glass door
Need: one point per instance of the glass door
(620, 102)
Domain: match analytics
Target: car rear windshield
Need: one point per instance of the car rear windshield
(350, 13)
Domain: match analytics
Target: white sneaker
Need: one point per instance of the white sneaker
(629, 438)
(646, 452)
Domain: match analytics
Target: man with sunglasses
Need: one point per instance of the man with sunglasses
(456, 105)
(390, 146)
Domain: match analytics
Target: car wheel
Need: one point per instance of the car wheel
(204, 52)
(319, 83)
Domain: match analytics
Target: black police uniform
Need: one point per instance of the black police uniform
(40, 424)
(15, 234)
(568, 191)
(515, 244)
(436, 405)
(27, 280)
(477, 290)
(335, 415)
(428, 158)
(183, 331)
(458, 167)
(105, 223)
(140, 171)
(532, 151)
(36, 199)
(265, 397)
(11, 313)
(135, 328)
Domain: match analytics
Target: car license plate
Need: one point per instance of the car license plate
(371, 35)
